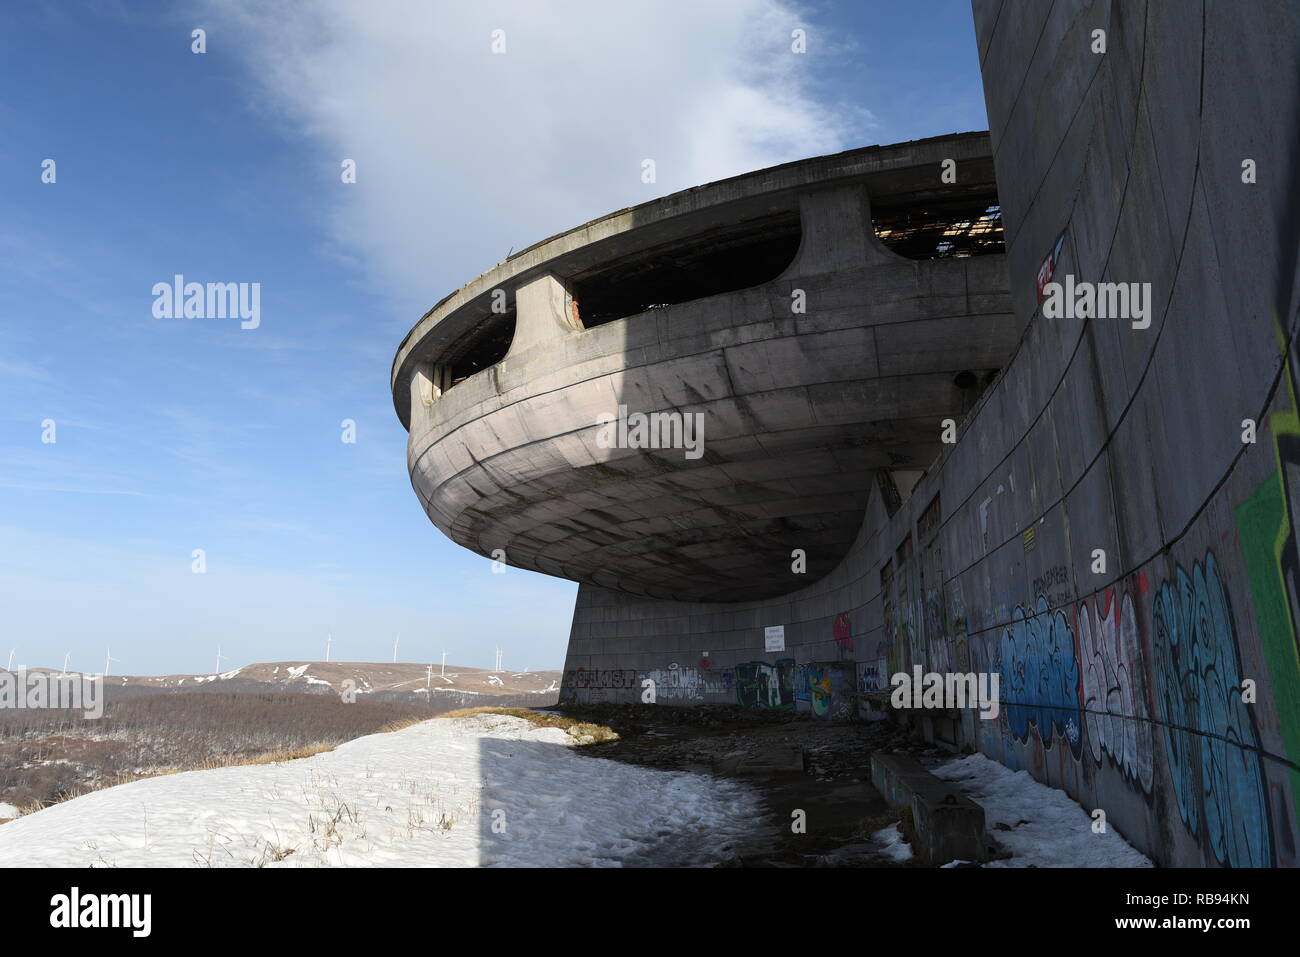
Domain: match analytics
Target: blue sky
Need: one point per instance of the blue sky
(175, 435)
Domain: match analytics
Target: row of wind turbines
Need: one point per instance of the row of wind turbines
(329, 643)
(108, 660)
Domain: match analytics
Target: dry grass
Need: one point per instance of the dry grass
(276, 756)
(401, 723)
(582, 732)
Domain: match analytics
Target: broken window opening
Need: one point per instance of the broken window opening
(723, 260)
(953, 229)
(484, 346)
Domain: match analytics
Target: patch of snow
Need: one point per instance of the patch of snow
(1047, 827)
(892, 844)
(8, 810)
(427, 795)
(296, 672)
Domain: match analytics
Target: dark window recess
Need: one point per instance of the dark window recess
(942, 229)
(904, 551)
(724, 260)
(892, 498)
(485, 346)
(929, 520)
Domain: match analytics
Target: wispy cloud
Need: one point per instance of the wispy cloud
(23, 370)
(77, 491)
(463, 153)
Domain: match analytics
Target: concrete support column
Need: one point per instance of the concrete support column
(428, 383)
(837, 233)
(544, 312)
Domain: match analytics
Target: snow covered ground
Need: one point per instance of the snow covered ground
(891, 843)
(481, 790)
(1047, 827)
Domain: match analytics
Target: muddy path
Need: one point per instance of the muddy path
(810, 771)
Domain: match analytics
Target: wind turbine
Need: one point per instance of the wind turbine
(11, 659)
(65, 662)
(108, 658)
(498, 667)
(220, 658)
(395, 641)
(444, 664)
(428, 677)
(329, 639)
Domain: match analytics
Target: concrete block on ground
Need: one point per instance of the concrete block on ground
(947, 825)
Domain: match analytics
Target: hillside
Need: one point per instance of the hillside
(386, 680)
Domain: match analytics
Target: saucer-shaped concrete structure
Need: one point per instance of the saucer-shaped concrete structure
(818, 322)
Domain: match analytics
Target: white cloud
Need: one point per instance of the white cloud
(463, 154)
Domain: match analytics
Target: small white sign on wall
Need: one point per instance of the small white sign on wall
(774, 638)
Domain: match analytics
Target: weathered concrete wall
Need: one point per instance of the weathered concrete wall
(1122, 686)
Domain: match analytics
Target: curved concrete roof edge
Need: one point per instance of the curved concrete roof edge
(822, 170)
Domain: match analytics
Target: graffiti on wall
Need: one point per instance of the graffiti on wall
(596, 679)
(870, 681)
(1035, 657)
(819, 688)
(1054, 584)
(1121, 694)
(1266, 526)
(843, 631)
(888, 643)
(678, 683)
(1115, 713)
(869, 677)
(760, 684)
(597, 684)
(1210, 737)
(831, 688)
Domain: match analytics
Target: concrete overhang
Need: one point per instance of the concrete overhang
(896, 175)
